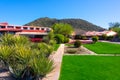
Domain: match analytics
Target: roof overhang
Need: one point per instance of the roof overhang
(32, 33)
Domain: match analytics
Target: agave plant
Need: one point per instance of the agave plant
(23, 53)
(45, 49)
(7, 39)
(42, 66)
(26, 61)
(21, 40)
(5, 53)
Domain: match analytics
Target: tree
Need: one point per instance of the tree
(59, 38)
(61, 28)
(114, 25)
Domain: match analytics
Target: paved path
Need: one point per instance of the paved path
(57, 58)
(110, 42)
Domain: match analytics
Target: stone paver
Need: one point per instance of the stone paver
(57, 58)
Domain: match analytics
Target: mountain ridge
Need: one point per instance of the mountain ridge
(78, 24)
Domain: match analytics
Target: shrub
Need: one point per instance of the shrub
(7, 39)
(71, 51)
(109, 37)
(95, 39)
(59, 38)
(66, 40)
(104, 36)
(45, 49)
(77, 44)
(42, 66)
(78, 36)
(84, 37)
(18, 53)
(52, 42)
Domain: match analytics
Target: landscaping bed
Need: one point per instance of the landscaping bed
(90, 68)
(70, 49)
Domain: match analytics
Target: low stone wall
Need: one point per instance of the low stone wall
(57, 58)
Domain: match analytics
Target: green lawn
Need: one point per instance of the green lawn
(90, 68)
(56, 46)
(104, 48)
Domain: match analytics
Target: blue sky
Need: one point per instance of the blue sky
(99, 12)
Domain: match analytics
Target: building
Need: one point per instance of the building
(35, 34)
(90, 34)
(96, 33)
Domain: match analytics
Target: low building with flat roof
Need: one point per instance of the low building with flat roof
(35, 34)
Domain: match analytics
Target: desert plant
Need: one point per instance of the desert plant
(21, 40)
(19, 54)
(59, 38)
(6, 53)
(77, 43)
(45, 49)
(95, 39)
(7, 39)
(42, 66)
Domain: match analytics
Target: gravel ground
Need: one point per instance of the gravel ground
(80, 50)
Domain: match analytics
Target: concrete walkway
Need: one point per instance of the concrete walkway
(57, 58)
(109, 42)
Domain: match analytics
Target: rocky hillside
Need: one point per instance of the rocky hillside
(78, 24)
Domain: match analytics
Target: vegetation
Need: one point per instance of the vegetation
(77, 24)
(104, 37)
(104, 48)
(59, 38)
(71, 51)
(56, 46)
(66, 40)
(115, 27)
(61, 28)
(95, 39)
(90, 68)
(77, 44)
(25, 60)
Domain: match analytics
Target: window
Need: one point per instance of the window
(10, 26)
(37, 28)
(25, 28)
(2, 26)
(31, 28)
(42, 28)
(17, 27)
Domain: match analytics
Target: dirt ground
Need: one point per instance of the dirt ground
(80, 50)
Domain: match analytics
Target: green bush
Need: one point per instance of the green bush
(78, 36)
(83, 37)
(59, 38)
(104, 36)
(110, 38)
(66, 40)
(77, 44)
(95, 39)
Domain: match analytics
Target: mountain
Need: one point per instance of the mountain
(78, 24)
